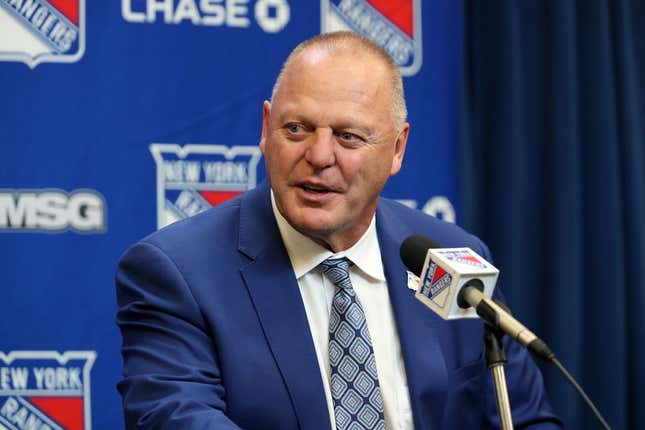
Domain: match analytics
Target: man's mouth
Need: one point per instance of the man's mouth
(314, 188)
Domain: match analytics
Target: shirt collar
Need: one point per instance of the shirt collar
(306, 255)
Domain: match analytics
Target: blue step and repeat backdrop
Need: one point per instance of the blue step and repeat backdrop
(119, 117)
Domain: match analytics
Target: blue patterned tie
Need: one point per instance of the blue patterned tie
(354, 383)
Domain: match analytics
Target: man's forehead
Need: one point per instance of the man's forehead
(357, 75)
(311, 112)
(327, 101)
(320, 56)
(315, 55)
(327, 84)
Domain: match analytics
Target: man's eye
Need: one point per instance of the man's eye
(347, 136)
(294, 128)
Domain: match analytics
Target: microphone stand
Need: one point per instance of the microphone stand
(496, 359)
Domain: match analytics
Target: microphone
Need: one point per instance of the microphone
(459, 283)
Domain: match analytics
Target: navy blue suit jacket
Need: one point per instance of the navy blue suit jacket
(215, 333)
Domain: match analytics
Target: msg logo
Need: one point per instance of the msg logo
(52, 210)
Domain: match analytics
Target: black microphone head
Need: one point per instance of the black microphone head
(413, 252)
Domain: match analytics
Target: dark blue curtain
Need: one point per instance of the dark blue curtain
(552, 176)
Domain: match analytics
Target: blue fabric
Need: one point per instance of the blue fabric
(354, 381)
(552, 177)
(215, 333)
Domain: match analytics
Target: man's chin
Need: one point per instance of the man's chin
(314, 229)
(312, 222)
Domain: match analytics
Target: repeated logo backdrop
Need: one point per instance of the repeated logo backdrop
(120, 117)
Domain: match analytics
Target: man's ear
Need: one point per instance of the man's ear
(399, 149)
(266, 110)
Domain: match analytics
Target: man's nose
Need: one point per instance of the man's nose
(320, 152)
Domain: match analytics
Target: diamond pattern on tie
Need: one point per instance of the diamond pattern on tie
(360, 350)
(354, 381)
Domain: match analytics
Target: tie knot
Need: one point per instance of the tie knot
(337, 270)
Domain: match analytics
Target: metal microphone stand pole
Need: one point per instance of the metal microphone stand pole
(496, 359)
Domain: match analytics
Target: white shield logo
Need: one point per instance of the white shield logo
(46, 390)
(39, 31)
(193, 178)
(393, 24)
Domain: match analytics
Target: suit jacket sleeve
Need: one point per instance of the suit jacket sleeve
(171, 377)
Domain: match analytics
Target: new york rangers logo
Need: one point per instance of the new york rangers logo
(37, 31)
(393, 24)
(45, 390)
(193, 178)
(463, 257)
(435, 284)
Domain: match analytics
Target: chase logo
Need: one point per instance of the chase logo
(38, 31)
(45, 390)
(435, 284)
(270, 15)
(193, 178)
(393, 24)
(463, 257)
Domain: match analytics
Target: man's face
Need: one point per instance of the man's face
(330, 144)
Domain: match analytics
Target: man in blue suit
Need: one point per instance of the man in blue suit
(289, 307)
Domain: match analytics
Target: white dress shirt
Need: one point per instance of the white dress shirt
(368, 281)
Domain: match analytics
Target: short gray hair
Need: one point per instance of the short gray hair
(347, 41)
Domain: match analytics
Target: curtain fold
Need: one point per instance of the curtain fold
(552, 177)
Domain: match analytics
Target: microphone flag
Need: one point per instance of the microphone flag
(445, 272)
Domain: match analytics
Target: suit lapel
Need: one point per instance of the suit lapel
(418, 330)
(275, 294)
